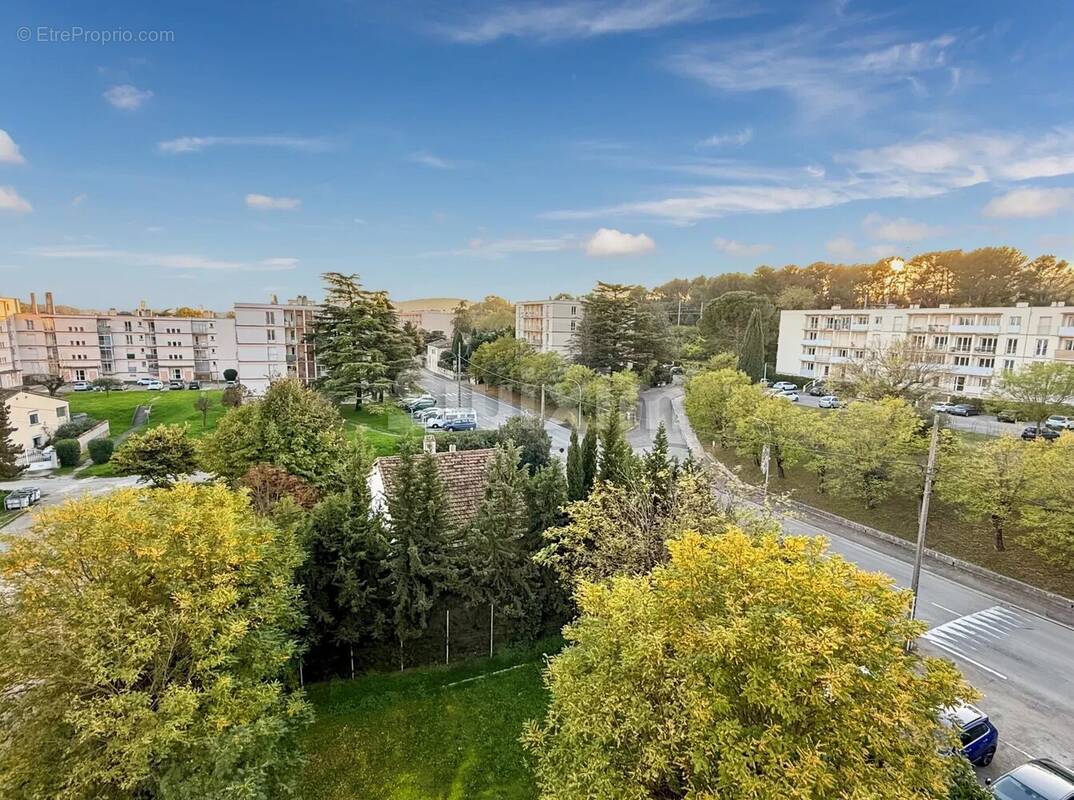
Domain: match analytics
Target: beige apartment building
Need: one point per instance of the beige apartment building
(429, 320)
(10, 374)
(969, 347)
(548, 325)
(272, 341)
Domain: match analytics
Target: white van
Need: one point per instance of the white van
(452, 419)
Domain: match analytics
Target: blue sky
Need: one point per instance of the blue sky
(518, 148)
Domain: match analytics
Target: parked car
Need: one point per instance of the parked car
(145, 381)
(787, 394)
(176, 385)
(817, 390)
(1039, 779)
(1007, 415)
(428, 414)
(979, 737)
(194, 385)
(1059, 423)
(1030, 432)
(829, 401)
(941, 408)
(460, 419)
(785, 386)
(420, 404)
(82, 386)
(155, 386)
(964, 410)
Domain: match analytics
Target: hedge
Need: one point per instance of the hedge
(69, 451)
(74, 428)
(100, 450)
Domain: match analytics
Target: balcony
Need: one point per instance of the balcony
(991, 351)
(974, 328)
(859, 326)
(1066, 330)
(817, 342)
(1062, 354)
(978, 371)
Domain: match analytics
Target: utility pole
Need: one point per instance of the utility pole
(923, 517)
(678, 316)
(458, 372)
(579, 420)
(542, 402)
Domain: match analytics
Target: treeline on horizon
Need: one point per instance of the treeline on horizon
(987, 276)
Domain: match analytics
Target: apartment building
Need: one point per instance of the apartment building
(122, 345)
(10, 374)
(429, 320)
(969, 347)
(548, 325)
(272, 341)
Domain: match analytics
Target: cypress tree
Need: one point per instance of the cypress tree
(751, 351)
(589, 459)
(660, 471)
(615, 453)
(575, 469)
(9, 452)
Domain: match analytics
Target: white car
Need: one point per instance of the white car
(145, 381)
(787, 395)
(1059, 422)
(82, 386)
(942, 408)
(155, 386)
(829, 401)
(785, 386)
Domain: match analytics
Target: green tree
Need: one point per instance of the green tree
(707, 398)
(68, 452)
(532, 439)
(546, 496)
(603, 339)
(751, 352)
(541, 369)
(9, 451)
(727, 318)
(1038, 388)
(726, 671)
(990, 482)
(499, 362)
(898, 369)
(360, 346)
(763, 420)
(234, 445)
(160, 456)
(660, 470)
(1046, 279)
(616, 457)
(101, 450)
(575, 471)
(589, 457)
(492, 314)
(51, 383)
(233, 396)
(1048, 517)
(147, 633)
(203, 404)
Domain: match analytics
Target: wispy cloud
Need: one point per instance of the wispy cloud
(131, 258)
(899, 229)
(736, 139)
(846, 249)
(127, 97)
(824, 70)
(263, 202)
(79, 199)
(1031, 202)
(611, 242)
(740, 249)
(9, 151)
(427, 159)
(582, 19)
(501, 248)
(11, 201)
(198, 144)
(911, 169)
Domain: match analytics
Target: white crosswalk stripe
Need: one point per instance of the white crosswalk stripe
(976, 632)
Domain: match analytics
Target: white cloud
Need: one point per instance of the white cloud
(823, 70)
(846, 249)
(127, 97)
(264, 202)
(196, 144)
(581, 19)
(1030, 202)
(740, 249)
(899, 229)
(9, 151)
(427, 159)
(79, 199)
(500, 248)
(133, 258)
(842, 247)
(10, 201)
(737, 139)
(610, 242)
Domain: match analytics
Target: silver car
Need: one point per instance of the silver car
(1039, 779)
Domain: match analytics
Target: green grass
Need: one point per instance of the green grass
(414, 736)
(167, 408)
(898, 515)
(384, 431)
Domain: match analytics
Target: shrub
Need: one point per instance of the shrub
(268, 484)
(69, 451)
(232, 397)
(74, 428)
(230, 374)
(100, 450)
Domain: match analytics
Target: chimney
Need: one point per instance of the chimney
(428, 444)
(275, 302)
(49, 308)
(33, 303)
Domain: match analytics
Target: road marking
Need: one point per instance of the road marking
(965, 657)
(945, 608)
(1016, 747)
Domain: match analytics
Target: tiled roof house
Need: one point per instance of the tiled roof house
(462, 472)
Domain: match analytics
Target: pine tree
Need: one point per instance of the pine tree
(422, 564)
(603, 338)
(589, 459)
(500, 567)
(575, 469)
(546, 495)
(615, 454)
(660, 471)
(360, 346)
(9, 451)
(751, 351)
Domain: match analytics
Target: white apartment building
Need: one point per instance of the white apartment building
(429, 320)
(548, 325)
(272, 342)
(969, 346)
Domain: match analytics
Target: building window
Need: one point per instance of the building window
(1015, 322)
(574, 311)
(986, 362)
(34, 418)
(843, 353)
(1012, 346)
(574, 325)
(270, 317)
(61, 413)
(961, 361)
(939, 342)
(812, 351)
(1068, 344)
(960, 383)
(1042, 347)
(1044, 325)
(965, 320)
(80, 374)
(127, 326)
(270, 335)
(987, 345)
(29, 324)
(962, 344)
(1008, 364)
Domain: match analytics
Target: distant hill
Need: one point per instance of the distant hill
(428, 304)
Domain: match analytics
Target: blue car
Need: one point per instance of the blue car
(978, 735)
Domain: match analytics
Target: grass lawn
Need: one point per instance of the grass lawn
(384, 431)
(167, 408)
(898, 515)
(414, 736)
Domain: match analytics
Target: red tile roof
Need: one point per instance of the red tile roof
(463, 475)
